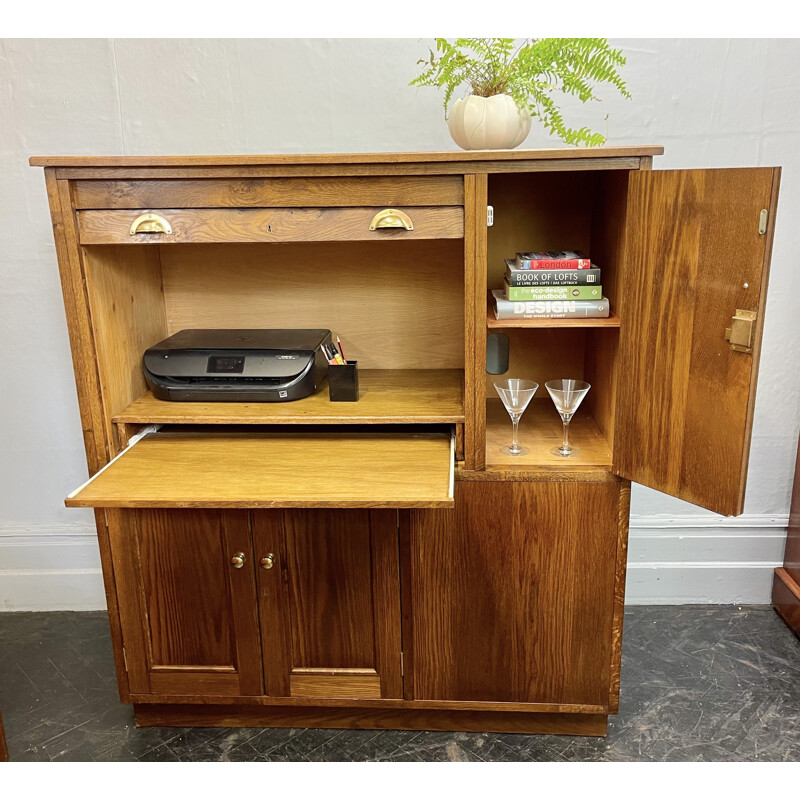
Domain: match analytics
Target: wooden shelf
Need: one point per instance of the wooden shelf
(426, 396)
(288, 470)
(540, 429)
(612, 321)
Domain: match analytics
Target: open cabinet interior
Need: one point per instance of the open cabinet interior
(398, 308)
(583, 211)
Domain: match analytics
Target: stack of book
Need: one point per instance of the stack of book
(563, 285)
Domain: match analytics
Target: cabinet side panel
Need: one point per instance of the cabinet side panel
(76, 304)
(475, 194)
(127, 305)
(619, 594)
(512, 594)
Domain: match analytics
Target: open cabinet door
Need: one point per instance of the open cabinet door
(697, 250)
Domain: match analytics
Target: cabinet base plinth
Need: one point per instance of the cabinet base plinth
(238, 716)
(786, 599)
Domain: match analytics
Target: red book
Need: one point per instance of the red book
(564, 259)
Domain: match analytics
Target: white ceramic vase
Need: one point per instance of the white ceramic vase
(488, 123)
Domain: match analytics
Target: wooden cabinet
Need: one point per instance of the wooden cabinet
(382, 563)
(188, 616)
(330, 604)
(514, 596)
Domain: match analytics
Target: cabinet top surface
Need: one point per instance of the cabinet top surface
(443, 156)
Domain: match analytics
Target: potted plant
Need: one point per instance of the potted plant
(508, 86)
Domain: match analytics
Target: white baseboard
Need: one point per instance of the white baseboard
(53, 568)
(691, 559)
(703, 559)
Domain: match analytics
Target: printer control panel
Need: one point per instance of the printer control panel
(225, 364)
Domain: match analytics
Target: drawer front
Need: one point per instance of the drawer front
(444, 190)
(208, 225)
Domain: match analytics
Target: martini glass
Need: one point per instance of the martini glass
(515, 394)
(567, 395)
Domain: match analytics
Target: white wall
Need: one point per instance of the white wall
(712, 103)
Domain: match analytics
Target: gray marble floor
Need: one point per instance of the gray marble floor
(699, 683)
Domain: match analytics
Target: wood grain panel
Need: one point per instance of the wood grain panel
(791, 559)
(331, 602)
(257, 470)
(540, 356)
(693, 256)
(76, 304)
(268, 225)
(189, 619)
(513, 593)
(539, 430)
(394, 307)
(600, 370)
(330, 588)
(3, 746)
(385, 396)
(371, 702)
(786, 583)
(611, 321)
(128, 316)
(362, 719)
(623, 520)
(475, 211)
(786, 598)
(440, 156)
(286, 193)
(185, 580)
(335, 685)
(333, 170)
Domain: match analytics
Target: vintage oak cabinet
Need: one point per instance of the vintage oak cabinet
(381, 563)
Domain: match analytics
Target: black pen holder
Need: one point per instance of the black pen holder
(343, 382)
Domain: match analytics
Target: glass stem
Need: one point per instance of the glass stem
(515, 427)
(565, 445)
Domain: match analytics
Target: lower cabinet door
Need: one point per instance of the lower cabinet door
(329, 602)
(509, 597)
(187, 601)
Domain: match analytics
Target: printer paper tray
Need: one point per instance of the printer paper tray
(276, 470)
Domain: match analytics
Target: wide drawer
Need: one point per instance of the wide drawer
(269, 470)
(208, 225)
(415, 190)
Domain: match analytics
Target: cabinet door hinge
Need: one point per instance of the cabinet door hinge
(402, 666)
(762, 221)
(124, 658)
(489, 216)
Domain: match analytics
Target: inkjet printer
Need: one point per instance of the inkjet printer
(218, 365)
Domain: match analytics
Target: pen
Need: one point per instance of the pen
(337, 359)
(341, 349)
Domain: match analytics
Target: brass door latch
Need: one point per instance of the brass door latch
(740, 334)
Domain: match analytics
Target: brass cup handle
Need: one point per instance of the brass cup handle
(268, 562)
(150, 223)
(391, 218)
(237, 561)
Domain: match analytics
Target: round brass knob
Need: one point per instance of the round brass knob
(237, 562)
(268, 562)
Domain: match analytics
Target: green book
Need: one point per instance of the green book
(525, 293)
